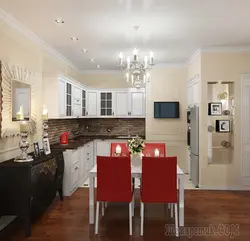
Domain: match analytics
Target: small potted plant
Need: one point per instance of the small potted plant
(136, 146)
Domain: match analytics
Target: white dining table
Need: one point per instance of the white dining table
(136, 172)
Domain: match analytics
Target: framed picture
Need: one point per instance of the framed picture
(46, 146)
(223, 126)
(215, 108)
(36, 149)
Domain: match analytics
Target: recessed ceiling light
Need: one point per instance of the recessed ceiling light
(98, 66)
(59, 21)
(85, 51)
(74, 38)
(92, 60)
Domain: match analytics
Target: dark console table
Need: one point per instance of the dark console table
(28, 188)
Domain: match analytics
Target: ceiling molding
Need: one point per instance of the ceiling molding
(193, 56)
(226, 49)
(8, 19)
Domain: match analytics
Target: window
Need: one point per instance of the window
(106, 103)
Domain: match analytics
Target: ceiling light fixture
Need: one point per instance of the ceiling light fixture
(85, 51)
(74, 38)
(92, 60)
(136, 71)
(98, 66)
(59, 21)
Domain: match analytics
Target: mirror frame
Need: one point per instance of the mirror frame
(7, 74)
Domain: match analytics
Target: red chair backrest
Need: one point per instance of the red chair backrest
(124, 149)
(149, 149)
(159, 180)
(114, 179)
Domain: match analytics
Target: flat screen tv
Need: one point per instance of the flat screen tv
(166, 110)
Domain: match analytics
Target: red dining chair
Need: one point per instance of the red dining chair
(159, 184)
(114, 184)
(149, 149)
(124, 149)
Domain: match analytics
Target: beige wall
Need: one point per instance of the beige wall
(168, 84)
(104, 80)
(222, 67)
(17, 49)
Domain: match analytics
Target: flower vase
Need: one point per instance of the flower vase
(136, 159)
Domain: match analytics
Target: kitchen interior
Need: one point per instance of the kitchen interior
(57, 117)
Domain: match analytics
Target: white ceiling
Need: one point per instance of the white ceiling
(173, 29)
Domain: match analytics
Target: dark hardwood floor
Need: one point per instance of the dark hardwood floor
(211, 211)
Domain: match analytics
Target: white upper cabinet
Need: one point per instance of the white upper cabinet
(194, 91)
(62, 98)
(137, 103)
(121, 103)
(92, 103)
(71, 99)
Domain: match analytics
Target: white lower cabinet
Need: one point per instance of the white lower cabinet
(78, 163)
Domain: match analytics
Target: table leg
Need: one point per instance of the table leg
(181, 200)
(91, 199)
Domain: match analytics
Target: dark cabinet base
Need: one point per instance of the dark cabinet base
(27, 189)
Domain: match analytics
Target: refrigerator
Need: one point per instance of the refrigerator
(194, 145)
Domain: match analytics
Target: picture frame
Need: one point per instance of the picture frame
(215, 108)
(37, 152)
(223, 126)
(46, 146)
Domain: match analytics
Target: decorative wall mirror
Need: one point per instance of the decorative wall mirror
(18, 99)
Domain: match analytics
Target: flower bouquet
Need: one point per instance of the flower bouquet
(136, 146)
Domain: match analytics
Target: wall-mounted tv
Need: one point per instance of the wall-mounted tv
(166, 110)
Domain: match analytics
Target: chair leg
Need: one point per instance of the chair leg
(106, 204)
(103, 203)
(169, 205)
(133, 205)
(176, 220)
(130, 218)
(97, 217)
(142, 217)
(171, 210)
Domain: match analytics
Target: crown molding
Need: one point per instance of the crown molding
(226, 49)
(8, 19)
(193, 56)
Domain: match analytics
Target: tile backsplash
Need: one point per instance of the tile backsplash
(95, 126)
(112, 126)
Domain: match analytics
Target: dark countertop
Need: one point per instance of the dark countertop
(37, 160)
(82, 140)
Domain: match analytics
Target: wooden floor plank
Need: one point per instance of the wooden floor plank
(208, 210)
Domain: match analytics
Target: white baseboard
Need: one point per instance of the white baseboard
(224, 188)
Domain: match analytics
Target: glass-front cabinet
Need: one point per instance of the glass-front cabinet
(106, 104)
(68, 99)
(83, 102)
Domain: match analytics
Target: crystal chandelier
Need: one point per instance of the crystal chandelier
(136, 71)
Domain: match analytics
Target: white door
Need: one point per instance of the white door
(245, 128)
(121, 103)
(92, 103)
(137, 103)
(62, 98)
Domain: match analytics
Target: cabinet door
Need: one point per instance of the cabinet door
(103, 148)
(92, 103)
(137, 103)
(196, 93)
(83, 102)
(68, 99)
(121, 103)
(77, 96)
(62, 98)
(77, 110)
(106, 99)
